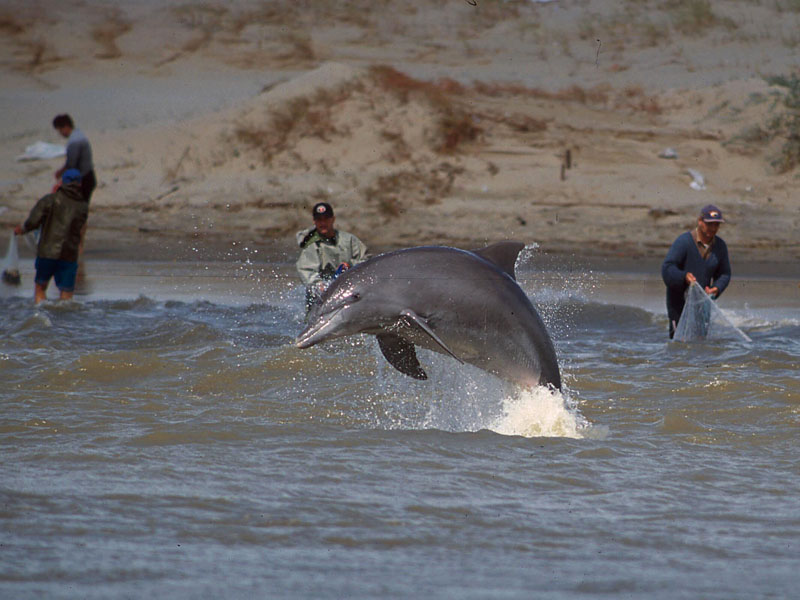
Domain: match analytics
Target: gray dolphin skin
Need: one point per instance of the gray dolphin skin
(465, 304)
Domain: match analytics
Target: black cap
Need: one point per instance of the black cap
(322, 209)
(711, 214)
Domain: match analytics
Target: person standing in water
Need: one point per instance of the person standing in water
(324, 252)
(698, 256)
(61, 215)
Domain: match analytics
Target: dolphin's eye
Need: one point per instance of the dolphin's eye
(340, 301)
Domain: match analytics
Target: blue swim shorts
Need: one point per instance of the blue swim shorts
(63, 271)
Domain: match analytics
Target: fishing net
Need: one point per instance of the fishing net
(702, 318)
(11, 263)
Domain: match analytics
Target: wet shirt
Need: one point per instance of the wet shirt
(320, 256)
(61, 215)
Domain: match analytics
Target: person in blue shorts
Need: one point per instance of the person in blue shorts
(699, 255)
(61, 216)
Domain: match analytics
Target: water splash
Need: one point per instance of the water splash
(539, 412)
(462, 398)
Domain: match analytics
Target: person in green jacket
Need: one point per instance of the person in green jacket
(61, 215)
(325, 252)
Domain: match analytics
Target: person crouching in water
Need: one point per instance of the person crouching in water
(61, 215)
(325, 252)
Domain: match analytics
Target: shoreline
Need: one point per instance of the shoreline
(235, 282)
(215, 128)
(220, 248)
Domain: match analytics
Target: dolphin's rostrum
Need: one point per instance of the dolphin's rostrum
(464, 304)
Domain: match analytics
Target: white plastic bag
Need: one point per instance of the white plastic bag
(11, 263)
(42, 151)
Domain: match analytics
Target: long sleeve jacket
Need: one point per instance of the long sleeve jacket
(684, 257)
(320, 257)
(61, 215)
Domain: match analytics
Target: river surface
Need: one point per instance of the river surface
(162, 437)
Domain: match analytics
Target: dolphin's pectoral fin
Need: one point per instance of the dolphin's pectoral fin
(401, 355)
(415, 319)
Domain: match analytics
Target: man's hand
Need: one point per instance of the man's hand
(341, 269)
(18, 230)
(690, 279)
(712, 291)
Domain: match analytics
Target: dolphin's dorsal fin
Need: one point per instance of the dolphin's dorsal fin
(415, 319)
(502, 254)
(401, 355)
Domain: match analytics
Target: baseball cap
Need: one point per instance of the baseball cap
(711, 214)
(322, 209)
(70, 175)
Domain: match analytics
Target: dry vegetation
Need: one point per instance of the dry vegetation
(298, 118)
(105, 34)
(331, 115)
(389, 144)
(29, 51)
(36, 56)
(691, 16)
(647, 24)
(393, 194)
(786, 125)
(10, 24)
(776, 136)
(455, 125)
(452, 117)
(315, 116)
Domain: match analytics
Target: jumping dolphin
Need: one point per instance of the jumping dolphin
(465, 304)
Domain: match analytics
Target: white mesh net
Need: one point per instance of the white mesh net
(702, 318)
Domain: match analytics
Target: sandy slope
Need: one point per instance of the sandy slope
(221, 123)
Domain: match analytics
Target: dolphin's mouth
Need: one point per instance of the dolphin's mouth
(317, 332)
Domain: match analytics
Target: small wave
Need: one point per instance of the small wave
(141, 302)
(36, 321)
(61, 306)
(574, 314)
(184, 436)
(751, 320)
(679, 423)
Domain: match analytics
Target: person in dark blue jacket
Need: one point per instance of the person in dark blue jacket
(697, 255)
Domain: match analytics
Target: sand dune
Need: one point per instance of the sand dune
(431, 123)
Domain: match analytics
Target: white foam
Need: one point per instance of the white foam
(539, 412)
(38, 319)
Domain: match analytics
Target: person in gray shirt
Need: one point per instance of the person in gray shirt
(79, 154)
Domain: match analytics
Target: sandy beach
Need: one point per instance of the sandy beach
(596, 129)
